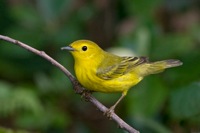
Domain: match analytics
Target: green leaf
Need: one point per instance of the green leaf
(184, 102)
(142, 7)
(148, 98)
(13, 99)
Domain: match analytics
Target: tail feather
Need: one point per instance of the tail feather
(172, 63)
(158, 66)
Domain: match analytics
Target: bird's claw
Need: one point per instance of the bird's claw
(109, 112)
(86, 95)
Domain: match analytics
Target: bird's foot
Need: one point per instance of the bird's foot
(86, 95)
(109, 112)
(77, 87)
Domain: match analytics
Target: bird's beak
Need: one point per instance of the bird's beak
(69, 48)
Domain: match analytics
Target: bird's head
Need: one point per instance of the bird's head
(83, 49)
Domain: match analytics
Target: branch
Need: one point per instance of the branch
(77, 87)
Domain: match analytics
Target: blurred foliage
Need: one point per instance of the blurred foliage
(4, 130)
(37, 97)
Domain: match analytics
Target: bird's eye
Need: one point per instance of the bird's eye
(84, 48)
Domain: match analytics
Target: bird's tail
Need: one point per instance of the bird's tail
(158, 66)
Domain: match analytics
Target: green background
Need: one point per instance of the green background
(37, 97)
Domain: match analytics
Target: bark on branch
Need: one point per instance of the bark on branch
(77, 87)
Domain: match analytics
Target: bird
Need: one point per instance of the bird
(100, 71)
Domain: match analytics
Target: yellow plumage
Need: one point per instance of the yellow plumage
(101, 71)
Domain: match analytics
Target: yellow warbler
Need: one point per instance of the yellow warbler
(100, 71)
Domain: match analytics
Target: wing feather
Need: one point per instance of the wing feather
(110, 69)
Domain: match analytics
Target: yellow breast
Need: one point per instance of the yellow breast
(88, 78)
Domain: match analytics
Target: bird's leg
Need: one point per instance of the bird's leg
(112, 108)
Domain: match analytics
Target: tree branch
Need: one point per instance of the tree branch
(77, 87)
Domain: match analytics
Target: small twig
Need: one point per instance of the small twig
(77, 87)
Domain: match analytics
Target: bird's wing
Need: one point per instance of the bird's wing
(116, 68)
